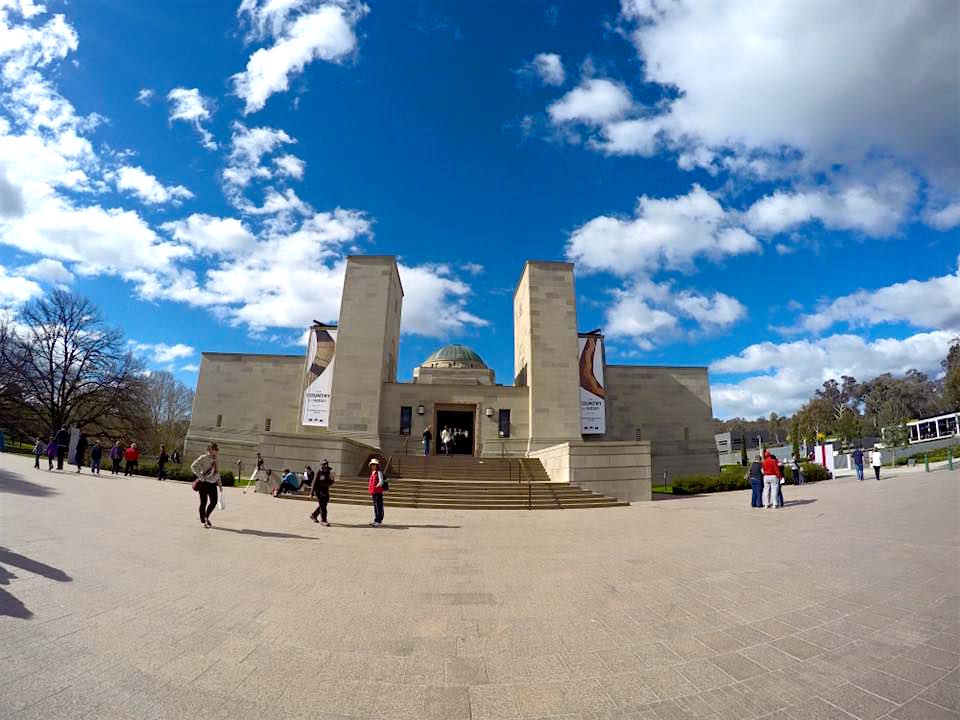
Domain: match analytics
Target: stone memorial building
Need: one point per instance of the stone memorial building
(609, 428)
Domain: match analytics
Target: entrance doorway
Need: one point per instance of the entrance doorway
(460, 420)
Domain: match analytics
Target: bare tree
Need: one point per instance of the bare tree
(71, 369)
(168, 404)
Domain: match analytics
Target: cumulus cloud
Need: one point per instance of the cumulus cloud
(664, 233)
(435, 302)
(547, 67)
(783, 376)
(650, 313)
(48, 271)
(145, 186)
(933, 303)
(944, 218)
(595, 100)
(161, 353)
(16, 290)
(144, 96)
(301, 31)
(188, 105)
(872, 210)
(248, 147)
(210, 235)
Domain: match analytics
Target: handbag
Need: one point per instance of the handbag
(221, 505)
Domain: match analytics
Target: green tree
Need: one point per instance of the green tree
(951, 381)
(893, 417)
(743, 451)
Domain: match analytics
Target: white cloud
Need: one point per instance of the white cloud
(146, 187)
(595, 100)
(472, 268)
(161, 353)
(212, 235)
(945, 218)
(667, 233)
(16, 290)
(248, 146)
(435, 302)
(302, 31)
(652, 313)
(191, 107)
(144, 96)
(190, 368)
(933, 303)
(783, 376)
(290, 166)
(48, 271)
(875, 211)
(548, 67)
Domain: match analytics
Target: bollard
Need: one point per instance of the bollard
(949, 458)
(926, 462)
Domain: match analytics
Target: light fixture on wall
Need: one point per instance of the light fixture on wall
(489, 412)
(420, 409)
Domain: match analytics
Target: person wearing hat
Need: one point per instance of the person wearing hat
(375, 486)
(321, 490)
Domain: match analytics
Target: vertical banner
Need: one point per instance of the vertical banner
(593, 409)
(320, 356)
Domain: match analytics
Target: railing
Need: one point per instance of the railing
(529, 485)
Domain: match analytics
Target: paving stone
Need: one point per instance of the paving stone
(858, 702)
(796, 647)
(817, 709)
(704, 674)
(891, 687)
(737, 666)
(918, 709)
(913, 671)
(944, 694)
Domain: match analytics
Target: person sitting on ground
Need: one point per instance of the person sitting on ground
(755, 476)
(289, 482)
(308, 476)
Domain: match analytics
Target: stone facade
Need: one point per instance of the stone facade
(658, 419)
(669, 407)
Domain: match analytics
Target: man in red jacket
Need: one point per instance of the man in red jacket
(132, 456)
(771, 480)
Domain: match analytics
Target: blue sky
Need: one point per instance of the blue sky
(772, 194)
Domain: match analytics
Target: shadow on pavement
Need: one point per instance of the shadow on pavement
(10, 605)
(15, 484)
(789, 503)
(392, 526)
(264, 533)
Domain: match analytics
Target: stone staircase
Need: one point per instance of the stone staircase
(468, 483)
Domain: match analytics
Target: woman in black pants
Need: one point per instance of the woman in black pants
(207, 482)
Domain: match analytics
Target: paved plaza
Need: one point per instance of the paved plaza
(115, 603)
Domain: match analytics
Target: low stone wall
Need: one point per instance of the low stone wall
(616, 469)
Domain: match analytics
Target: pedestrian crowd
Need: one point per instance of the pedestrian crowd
(125, 458)
(767, 479)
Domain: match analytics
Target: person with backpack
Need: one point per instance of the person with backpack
(39, 448)
(116, 454)
(755, 476)
(207, 483)
(376, 486)
(96, 452)
(321, 490)
(162, 459)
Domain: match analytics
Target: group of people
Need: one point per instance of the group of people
(56, 449)
(448, 440)
(766, 478)
(876, 460)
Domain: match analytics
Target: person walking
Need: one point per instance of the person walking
(858, 462)
(876, 459)
(132, 456)
(427, 437)
(321, 490)
(797, 471)
(771, 480)
(80, 451)
(175, 457)
(51, 452)
(116, 454)
(755, 476)
(446, 438)
(375, 486)
(39, 448)
(162, 460)
(207, 483)
(96, 452)
(63, 441)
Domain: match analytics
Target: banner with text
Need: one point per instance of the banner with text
(320, 356)
(593, 410)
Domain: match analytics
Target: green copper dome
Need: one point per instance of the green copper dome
(455, 356)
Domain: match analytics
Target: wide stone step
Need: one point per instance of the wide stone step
(461, 504)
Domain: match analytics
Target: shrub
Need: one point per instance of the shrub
(812, 472)
(730, 478)
(932, 456)
(182, 473)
